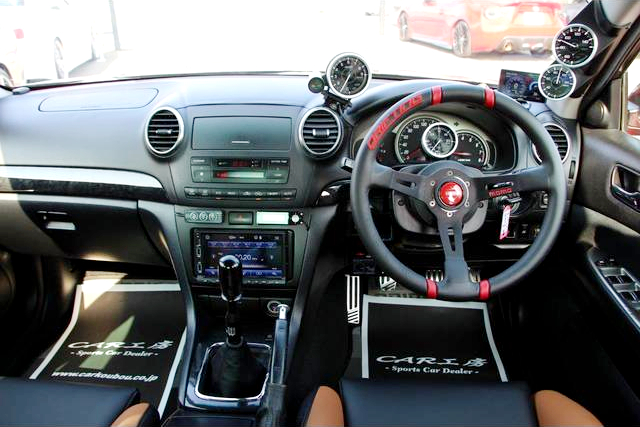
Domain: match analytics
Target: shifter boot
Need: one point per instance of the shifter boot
(235, 372)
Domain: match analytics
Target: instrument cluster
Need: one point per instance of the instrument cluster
(427, 136)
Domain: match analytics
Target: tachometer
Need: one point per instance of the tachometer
(348, 75)
(471, 151)
(557, 82)
(409, 138)
(439, 140)
(575, 45)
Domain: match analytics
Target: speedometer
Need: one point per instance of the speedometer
(409, 138)
(439, 140)
(575, 45)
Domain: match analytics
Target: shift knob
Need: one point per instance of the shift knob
(230, 275)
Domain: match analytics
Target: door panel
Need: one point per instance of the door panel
(605, 154)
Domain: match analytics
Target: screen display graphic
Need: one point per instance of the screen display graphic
(261, 255)
(520, 85)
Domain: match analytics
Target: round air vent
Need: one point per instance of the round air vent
(561, 139)
(320, 132)
(164, 131)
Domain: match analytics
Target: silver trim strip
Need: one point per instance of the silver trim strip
(245, 400)
(94, 176)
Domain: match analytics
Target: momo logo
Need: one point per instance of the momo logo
(451, 194)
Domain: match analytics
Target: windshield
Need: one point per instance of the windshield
(45, 40)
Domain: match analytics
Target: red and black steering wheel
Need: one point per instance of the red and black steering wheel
(453, 192)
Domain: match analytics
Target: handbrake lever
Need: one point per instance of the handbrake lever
(272, 411)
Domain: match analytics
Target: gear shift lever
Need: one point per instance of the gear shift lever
(230, 275)
(234, 371)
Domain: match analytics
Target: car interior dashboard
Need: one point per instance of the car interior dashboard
(182, 171)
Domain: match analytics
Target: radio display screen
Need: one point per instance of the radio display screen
(262, 255)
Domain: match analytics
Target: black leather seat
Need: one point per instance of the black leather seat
(37, 403)
(390, 403)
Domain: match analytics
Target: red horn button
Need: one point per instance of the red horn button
(451, 194)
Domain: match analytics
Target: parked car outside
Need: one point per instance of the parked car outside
(55, 36)
(467, 27)
(11, 67)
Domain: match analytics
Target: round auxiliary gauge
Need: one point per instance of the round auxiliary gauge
(409, 138)
(575, 45)
(439, 140)
(557, 82)
(348, 75)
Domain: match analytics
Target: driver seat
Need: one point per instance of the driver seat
(386, 403)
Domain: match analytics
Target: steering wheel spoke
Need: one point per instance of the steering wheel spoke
(406, 183)
(494, 185)
(456, 283)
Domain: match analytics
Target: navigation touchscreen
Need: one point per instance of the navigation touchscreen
(262, 255)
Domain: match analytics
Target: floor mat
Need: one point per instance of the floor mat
(121, 334)
(424, 339)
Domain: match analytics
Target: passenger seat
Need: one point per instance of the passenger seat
(39, 403)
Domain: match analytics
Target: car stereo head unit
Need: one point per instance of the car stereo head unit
(264, 256)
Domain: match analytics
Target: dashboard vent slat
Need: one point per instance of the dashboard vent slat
(560, 138)
(164, 131)
(320, 132)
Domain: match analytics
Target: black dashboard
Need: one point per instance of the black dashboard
(229, 153)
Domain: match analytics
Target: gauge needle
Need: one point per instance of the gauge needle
(346, 81)
(569, 44)
(558, 79)
(414, 153)
(462, 153)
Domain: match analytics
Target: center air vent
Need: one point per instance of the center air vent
(561, 139)
(320, 132)
(165, 130)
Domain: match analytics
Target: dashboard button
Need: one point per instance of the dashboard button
(272, 194)
(288, 194)
(204, 192)
(277, 174)
(246, 194)
(241, 218)
(191, 192)
(230, 194)
(201, 174)
(201, 161)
